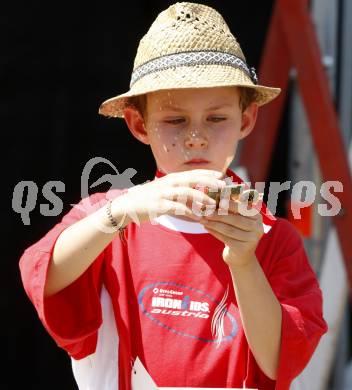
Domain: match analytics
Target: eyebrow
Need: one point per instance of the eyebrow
(168, 107)
(165, 107)
(225, 105)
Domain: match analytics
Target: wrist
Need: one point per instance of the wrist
(119, 212)
(111, 218)
(236, 264)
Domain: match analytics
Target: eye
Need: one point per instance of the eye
(175, 121)
(217, 119)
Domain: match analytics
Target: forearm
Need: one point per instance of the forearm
(77, 247)
(260, 313)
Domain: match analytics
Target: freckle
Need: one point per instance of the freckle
(173, 145)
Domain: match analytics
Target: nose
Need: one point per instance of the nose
(196, 140)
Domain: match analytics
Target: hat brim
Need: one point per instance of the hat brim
(199, 76)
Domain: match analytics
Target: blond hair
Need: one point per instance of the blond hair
(247, 96)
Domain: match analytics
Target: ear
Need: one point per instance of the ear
(135, 123)
(249, 118)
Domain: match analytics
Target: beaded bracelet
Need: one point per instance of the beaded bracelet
(118, 227)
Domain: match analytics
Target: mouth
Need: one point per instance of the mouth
(199, 161)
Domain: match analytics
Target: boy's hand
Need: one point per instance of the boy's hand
(239, 231)
(173, 194)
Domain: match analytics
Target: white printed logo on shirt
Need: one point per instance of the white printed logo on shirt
(189, 312)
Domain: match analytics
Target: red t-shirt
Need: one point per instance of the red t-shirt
(173, 305)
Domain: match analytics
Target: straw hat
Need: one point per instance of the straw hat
(189, 45)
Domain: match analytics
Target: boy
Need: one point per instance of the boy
(226, 301)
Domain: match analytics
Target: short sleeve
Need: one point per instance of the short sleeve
(295, 284)
(73, 315)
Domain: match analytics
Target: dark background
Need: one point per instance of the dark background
(58, 63)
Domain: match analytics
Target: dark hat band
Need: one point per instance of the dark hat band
(191, 59)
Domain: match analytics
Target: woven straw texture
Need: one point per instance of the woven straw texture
(187, 28)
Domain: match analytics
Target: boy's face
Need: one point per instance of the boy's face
(193, 128)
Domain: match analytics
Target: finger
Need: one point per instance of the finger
(186, 194)
(234, 207)
(239, 246)
(180, 209)
(165, 206)
(221, 237)
(227, 207)
(247, 209)
(195, 210)
(252, 198)
(175, 207)
(237, 220)
(201, 209)
(231, 231)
